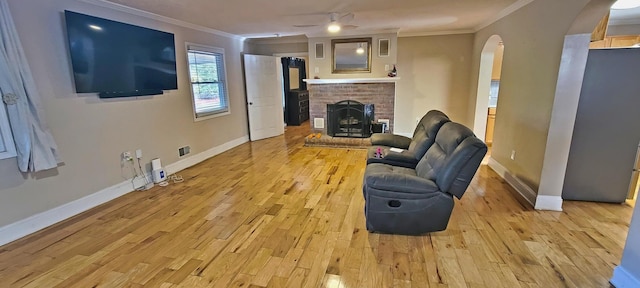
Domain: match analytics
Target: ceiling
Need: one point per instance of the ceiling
(269, 18)
(266, 18)
(625, 17)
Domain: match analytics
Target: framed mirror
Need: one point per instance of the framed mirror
(351, 55)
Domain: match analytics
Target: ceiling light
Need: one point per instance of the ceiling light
(360, 50)
(95, 27)
(626, 4)
(333, 27)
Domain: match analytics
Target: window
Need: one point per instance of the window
(208, 81)
(7, 148)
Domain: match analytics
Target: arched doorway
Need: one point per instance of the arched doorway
(488, 84)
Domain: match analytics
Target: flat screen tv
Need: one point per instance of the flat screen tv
(116, 59)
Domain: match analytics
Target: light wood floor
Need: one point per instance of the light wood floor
(277, 214)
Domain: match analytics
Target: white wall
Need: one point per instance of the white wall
(533, 37)
(434, 74)
(260, 48)
(563, 117)
(90, 132)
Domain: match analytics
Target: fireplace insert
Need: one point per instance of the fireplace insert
(349, 118)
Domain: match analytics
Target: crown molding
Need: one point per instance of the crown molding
(436, 33)
(504, 13)
(277, 40)
(352, 32)
(149, 15)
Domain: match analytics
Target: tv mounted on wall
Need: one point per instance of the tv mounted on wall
(116, 59)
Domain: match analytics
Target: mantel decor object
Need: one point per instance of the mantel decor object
(394, 72)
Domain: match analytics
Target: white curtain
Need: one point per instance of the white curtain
(35, 147)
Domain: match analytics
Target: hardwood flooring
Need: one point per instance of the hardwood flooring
(276, 214)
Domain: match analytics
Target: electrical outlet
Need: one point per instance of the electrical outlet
(184, 150)
(386, 67)
(513, 154)
(126, 156)
(317, 70)
(139, 153)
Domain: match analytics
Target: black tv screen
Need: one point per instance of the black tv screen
(116, 59)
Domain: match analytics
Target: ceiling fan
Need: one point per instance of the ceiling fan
(336, 22)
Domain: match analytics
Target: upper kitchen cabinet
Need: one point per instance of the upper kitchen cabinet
(497, 62)
(616, 42)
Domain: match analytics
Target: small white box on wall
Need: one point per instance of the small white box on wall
(318, 123)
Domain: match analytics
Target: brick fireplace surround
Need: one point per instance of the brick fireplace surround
(380, 94)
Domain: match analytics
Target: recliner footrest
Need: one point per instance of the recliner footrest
(408, 216)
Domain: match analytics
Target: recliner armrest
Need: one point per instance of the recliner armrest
(405, 155)
(401, 183)
(391, 140)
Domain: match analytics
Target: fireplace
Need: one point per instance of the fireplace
(349, 118)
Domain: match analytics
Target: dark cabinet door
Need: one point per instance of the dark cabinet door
(297, 107)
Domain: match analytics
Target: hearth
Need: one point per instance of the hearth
(349, 118)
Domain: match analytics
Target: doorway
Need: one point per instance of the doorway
(496, 72)
(263, 83)
(295, 97)
(488, 88)
(295, 68)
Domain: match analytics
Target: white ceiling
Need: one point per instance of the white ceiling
(265, 18)
(269, 18)
(625, 17)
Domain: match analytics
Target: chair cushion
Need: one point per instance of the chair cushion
(426, 131)
(452, 159)
(393, 178)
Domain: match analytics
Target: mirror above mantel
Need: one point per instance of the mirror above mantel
(351, 55)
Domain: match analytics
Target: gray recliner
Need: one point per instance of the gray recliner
(414, 148)
(402, 200)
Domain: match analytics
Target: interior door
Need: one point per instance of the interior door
(263, 76)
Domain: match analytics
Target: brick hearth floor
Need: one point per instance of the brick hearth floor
(338, 142)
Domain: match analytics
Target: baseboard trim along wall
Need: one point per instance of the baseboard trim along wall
(623, 279)
(523, 189)
(547, 202)
(195, 159)
(24, 227)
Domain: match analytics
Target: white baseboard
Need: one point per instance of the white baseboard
(497, 167)
(523, 189)
(195, 159)
(547, 202)
(527, 192)
(24, 227)
(539, 202)
(623, 279)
